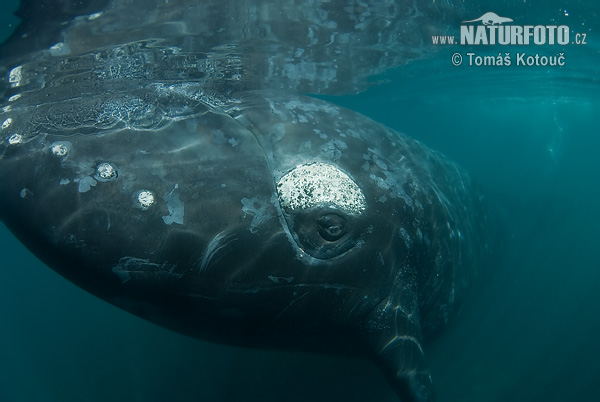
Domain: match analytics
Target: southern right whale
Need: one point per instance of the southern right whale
(167, 162)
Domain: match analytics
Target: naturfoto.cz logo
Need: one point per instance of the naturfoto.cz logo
(497, 30)
(492, 32)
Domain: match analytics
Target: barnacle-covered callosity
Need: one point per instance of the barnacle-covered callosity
(105, 172)
(144, 199)
(319, 184)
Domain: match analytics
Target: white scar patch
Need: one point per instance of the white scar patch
(313, 184)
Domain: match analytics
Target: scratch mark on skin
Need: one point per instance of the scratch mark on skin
(187, 146)
(219, 243)
(197, 296)
(335, 286)
(286, 308)
(402, 338)
(128, 265)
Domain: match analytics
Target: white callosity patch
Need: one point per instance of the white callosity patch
(60, 148)
(6, 124)
(145, 199)
(15, 76)
(15, 139)
(310, 185)
(105, 172)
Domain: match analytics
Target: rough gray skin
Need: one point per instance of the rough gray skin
(152, 173)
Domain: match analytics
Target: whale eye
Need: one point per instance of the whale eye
(323, 208)
(331, 227)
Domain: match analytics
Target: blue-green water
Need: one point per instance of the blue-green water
(529, 136)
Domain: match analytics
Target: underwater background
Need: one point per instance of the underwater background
(530, 138)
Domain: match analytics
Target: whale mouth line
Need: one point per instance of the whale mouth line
(278, 286)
